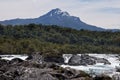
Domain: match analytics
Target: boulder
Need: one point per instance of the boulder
(55, 59)
(37, 74)
(116, 76)
(82, 78)
(30, 57)
(75, 60)
(81, 60)
(69, 73)
(40, 58)
(6, 77)
(85, 59)
(30, 70)
(37, 67)
(102, 60)
(117, 69)
(3, 62)
(36, 57)
(15, 60)
(102, 77)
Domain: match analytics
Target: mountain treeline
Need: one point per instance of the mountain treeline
(25, 39)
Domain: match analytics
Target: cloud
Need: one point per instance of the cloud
(110, 10)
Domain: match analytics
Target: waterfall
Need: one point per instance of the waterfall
(67, 57)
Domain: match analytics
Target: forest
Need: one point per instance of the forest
(52, 39)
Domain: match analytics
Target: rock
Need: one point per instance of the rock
(51, 65)
(56, 59)
(3, 62)
(5, 77)
(30, 57)
(28, 70)
(117, 69)
(37, 74)
(75, 60)
(47, 77)
(102, 60)
(81, 60)
(36, 57)
(85, 59)
(15, 60)
(102, 77)
(40, 58)
(82, 78)
(69, 73)
(116, 76)
(10, 72)
(32, 69)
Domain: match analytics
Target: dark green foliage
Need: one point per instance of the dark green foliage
(54, 40)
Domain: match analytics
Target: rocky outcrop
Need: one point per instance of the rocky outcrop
(56, 59)
(102, 77)
(27, 70)
(40, 58)
(81, 60)
(74, 60)
(37, 67)
(102, 60)
(116, 76)
(36, 58)
(85, 59)
(3, 62)
(37, 74)
(15, 61)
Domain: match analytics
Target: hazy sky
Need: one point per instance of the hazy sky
(103, 13)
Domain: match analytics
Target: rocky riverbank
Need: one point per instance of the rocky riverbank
(37, 67)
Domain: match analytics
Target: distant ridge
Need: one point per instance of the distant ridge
(55, 17)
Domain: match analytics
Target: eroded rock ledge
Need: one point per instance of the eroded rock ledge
(35, 67)
(85, 59)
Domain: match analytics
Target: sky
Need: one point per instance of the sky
(101, 13)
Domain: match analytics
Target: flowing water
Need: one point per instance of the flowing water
(98, 68)
(10, 57)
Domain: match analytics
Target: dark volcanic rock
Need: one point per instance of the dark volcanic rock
(102, 60)
(3, 62)
(37, 68)
(55, 59)
(29, 57)
(86, 60)
(116, 77)
(10, 72)
(36, 57)
(102, 77)
(30, 70)
(37, 74)
(16, 60)
(72, 73)
(39, 58)
(5, 77)
(81, 60)
(75, 60)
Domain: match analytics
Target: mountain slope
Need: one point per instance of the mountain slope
(55, 17)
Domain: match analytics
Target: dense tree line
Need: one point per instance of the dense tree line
(22, 39)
